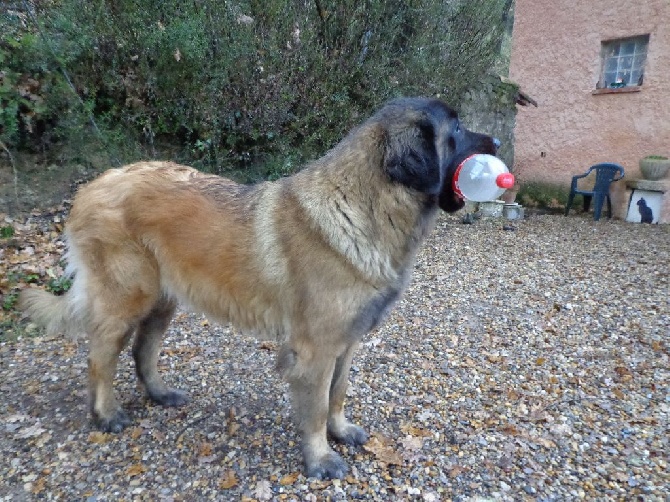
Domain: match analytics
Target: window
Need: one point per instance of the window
(623, 62)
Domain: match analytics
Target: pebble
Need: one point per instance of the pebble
(512, 378)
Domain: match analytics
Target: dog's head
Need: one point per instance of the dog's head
(425, 145)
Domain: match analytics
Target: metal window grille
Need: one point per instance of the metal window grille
(623, 62)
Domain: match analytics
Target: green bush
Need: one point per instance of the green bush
(547, 196)
(231, 84)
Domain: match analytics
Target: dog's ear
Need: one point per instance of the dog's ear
(412, 160)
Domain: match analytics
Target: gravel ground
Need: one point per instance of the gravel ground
(521, 365)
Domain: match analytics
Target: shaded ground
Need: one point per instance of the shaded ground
(28, 181)
(521, 365)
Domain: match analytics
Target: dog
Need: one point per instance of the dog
(314, 261)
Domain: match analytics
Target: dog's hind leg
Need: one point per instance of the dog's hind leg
(146, 350)
(338, 426)
(108, 338)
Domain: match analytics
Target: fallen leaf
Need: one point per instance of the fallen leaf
(547, 443)
(38, 486)
(16, 418)
(98, 437)
(289, 479)
(383, 449)
(623, 373)
(31, 432)
(412, 443)
(136, 470)
(263, 490)
(456, 470)
(619, 476)
(510, 429)
(205, 450)
(228, 480)
(415, 431)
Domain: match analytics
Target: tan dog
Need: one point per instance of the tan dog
(313, 261)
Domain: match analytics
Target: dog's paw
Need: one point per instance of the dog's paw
(329, 466)
(350, 434)
(170, 397)
(115, 423)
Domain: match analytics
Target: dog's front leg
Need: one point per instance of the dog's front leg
(338, 426)
(309, 374)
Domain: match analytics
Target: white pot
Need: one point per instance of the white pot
(513, 211)
(493, 208)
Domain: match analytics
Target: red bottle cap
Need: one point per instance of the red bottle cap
(505, 180)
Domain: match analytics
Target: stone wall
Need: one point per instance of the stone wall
(490, 109)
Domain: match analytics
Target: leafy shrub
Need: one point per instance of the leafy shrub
(6, 232)
(543, 195)
(232, 84)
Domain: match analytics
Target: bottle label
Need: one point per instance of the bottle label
(454, 183)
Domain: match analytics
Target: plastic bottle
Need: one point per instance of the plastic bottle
(482, 177)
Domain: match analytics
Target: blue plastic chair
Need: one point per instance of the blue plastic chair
(606, 173)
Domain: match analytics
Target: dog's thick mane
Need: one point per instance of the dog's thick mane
(374, 224)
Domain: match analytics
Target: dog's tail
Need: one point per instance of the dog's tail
(54, 313)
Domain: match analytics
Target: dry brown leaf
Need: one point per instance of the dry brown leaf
(510, 429)
(136, 470)
(136, 432)
(39, 485)
(205, 449)
(620, 476)
(547, 443)
(456, 470)
(98, 437)
(622, 371)
(289, 479)
(228, 480)
(268, 345)
(415, 431)
(644, 420)
(383, 449)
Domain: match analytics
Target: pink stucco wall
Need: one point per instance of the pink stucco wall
(556, 60)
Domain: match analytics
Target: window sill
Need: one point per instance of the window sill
(620, 90)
